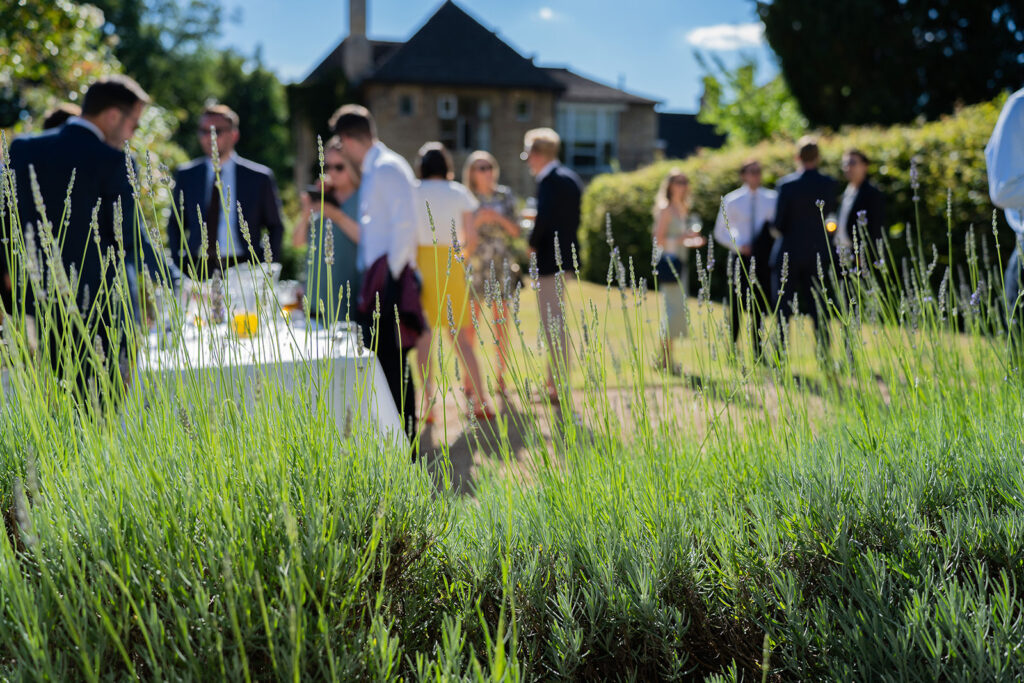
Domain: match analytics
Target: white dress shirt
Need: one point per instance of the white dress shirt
(387, 210)
(88, 125)
(448, 201)
(746, 210)
(1004, 155)
(228, 237)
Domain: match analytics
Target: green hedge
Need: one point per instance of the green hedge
(950, 155)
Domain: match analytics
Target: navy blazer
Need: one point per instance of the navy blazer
(870, 200)
(558, 213)
(798, 218)
(101, 175)
(254, 189)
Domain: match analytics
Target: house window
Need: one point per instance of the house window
(590, 136)
(465, 123)
(524, 110)
(406, 105)
(447, 107)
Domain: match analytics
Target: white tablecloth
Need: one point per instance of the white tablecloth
(312, 363)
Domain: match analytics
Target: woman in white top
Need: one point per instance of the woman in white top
(446, 214)
(675, 233)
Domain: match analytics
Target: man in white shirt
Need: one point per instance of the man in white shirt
(387, 237)
(740, 228)
(242, 183)
(1004, 155)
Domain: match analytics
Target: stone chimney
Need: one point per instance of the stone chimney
(357, 54)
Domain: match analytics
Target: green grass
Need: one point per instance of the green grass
(855, 519)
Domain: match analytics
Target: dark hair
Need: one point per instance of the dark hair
(353, 121)
(222, 110)
(434, 161)
(748, 165)
(112, 91)
(854, 152)
(59, 115)
(807, 150)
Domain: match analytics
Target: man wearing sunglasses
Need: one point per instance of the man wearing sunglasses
(241, 183)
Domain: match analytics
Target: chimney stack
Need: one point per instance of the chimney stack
(357, 55)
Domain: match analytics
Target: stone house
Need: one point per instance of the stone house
(456, 81)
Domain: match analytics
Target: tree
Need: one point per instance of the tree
(745, 111)
(49, 52)
(890, 61)
(258, 97)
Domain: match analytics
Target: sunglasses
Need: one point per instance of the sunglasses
(220, 131)
(680, 181)
(483, 168)
(335, 167)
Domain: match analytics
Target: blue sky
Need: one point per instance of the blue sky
(648, 43)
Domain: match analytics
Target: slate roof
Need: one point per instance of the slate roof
(453, 48)
(380, 50)
(582, 89)
(683, 134)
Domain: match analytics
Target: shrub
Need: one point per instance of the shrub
(949, 153)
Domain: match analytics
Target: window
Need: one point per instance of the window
(465, 123)
(406, 105)
(590, 136)
(524, 110)
(447, 106)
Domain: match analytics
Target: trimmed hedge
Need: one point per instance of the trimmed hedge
(950, 155)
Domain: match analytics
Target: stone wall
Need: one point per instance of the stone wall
(405, 132)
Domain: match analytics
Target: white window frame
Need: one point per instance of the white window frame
(607, 132)
(447, 107)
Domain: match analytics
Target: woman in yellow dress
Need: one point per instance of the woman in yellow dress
(446, 216)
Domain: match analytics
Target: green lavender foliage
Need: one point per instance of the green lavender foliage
(858, 516)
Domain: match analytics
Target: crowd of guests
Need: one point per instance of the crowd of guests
(776, 241)
(385, 238)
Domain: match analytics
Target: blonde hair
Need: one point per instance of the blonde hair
(467, 168)
(663, 199)
(544, 141)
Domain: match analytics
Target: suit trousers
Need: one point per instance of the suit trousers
(393, 360)
(551, 304)
(1014, 278)
(752, 297)
(802, 284)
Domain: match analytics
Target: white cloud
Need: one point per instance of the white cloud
(726, 36)
(547, 14)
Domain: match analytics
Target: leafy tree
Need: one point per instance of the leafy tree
(889, 61)
(258, 97)
(49, 52)
(745, 111)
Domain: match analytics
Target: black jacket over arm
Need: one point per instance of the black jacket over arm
(254, 189)
(101, 179)
(558, 213)
(870, 200)
(798, 218)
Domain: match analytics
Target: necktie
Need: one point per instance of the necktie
(212, 227)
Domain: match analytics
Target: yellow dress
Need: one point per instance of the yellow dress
(443, 278)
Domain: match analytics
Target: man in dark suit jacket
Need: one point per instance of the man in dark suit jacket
(798, 220)
(860, 195)
(244, 182)
(559, 191)
(92, 148)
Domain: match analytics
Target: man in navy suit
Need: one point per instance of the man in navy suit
(559, 191)
(803, 236)
(242, 183)
(92, 147)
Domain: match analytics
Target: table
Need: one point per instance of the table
(312, 362)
